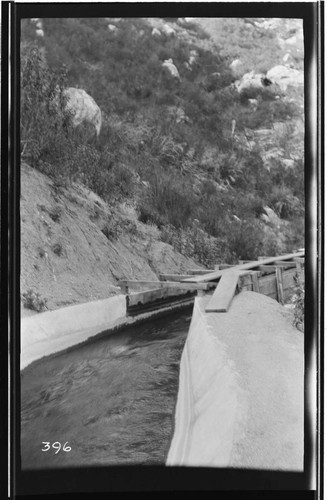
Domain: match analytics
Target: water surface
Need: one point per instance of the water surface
(112, 400)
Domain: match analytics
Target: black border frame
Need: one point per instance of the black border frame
(136, 478)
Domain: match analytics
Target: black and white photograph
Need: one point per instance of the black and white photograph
(165, 191)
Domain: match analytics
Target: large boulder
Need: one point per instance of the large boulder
(236, 67)
(83, 108)
(286, 77)
(168, 30)
(171, 68)
(156, 33)
(252, 85)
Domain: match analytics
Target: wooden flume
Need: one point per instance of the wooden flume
(272, 276)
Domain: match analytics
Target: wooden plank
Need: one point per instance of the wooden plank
(267, 269)
(299, 259)
(199, 272)
(141, 298)
(284, 263)
(173, 277)
(248, 272)
(224, 293)
(226, 266)
(172, 284)
(250, 265)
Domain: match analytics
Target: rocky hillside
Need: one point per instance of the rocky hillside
(74, 247)
(196, 156)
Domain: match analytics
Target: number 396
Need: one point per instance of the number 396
(56, 446)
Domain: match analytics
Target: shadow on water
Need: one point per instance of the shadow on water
(112, 400)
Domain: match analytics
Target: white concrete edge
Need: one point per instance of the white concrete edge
(55, 331)
(206, 379)
(183, 412)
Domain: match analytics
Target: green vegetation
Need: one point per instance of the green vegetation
(32, 300)
(298, 302)
(201, 188)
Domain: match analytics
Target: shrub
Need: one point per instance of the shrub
(112, 229)
(44, 125)
(57, 249)
(32, 300)
(298, 302)
(194, 243)
(245, 240)
(55, 214)
(169, 200)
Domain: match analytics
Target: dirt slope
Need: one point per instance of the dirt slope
(65, 256)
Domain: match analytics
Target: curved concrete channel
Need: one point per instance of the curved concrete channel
(241, 378)
(241, 392)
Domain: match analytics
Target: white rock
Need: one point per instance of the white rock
(253, 104)
(291, 41)
(288, 163)
(83, 108)
(39, 32)
(156, 32)
(235, 66)
(112, 27)
(286, 57)
(193, 57)
(249, 80)
(170, 66)
(168, 30)
(285, 76)
(270, 216)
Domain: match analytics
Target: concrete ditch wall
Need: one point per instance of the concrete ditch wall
(55, 331)
(241, 389)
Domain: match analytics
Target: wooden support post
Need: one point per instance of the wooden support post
(298, 262)
(279, 281)
(255, 283)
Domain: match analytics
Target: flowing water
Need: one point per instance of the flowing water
(112, 401)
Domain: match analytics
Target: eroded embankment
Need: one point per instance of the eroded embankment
(241, 400)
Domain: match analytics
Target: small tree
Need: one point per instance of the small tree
(44, 125)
